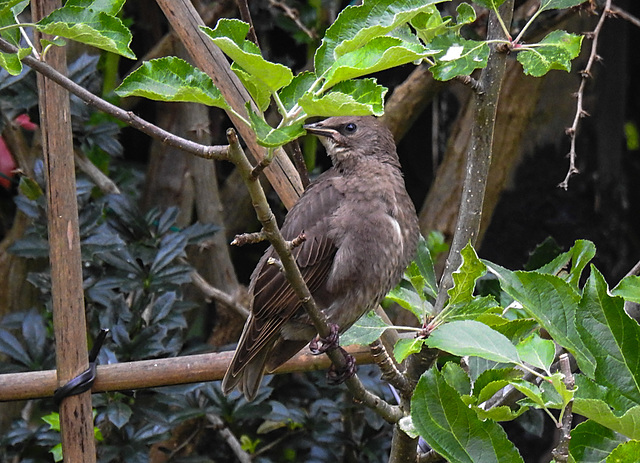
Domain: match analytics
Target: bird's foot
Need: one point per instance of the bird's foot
(320, 345)
(335, 376)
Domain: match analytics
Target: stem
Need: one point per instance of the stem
(505, 29)
(526, 26)
(479, 156)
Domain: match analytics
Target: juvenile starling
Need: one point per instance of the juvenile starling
(361, 232)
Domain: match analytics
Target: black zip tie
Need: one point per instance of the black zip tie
(84, 380)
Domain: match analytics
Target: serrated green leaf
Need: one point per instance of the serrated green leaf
(405, 347)
(530, 391)
(365, 331)
(9, 10)
(592, 443)
(626, 452)
(514, 330)
(229, 35)
(452, 429)
(429, 24)
(537, 352)
(300, 84)
(424, 264)
(456, 377)
(464, 278)
(377, 55)
(559, 4)
(256, 88)
(460, 57)
(553, 303)
(171, 79)
(555, 51)
(12, 62)
(270, 137)
(627, 424)
(628, 289)
(361, 97)
(501, 413)
(580, 254)
(470, 310)
(491, 4)
(466, 14)
(560, 388)
(612, 337)
(84, 22)
(470, 337)
(408, 299)
(356, 26)
(491, 381)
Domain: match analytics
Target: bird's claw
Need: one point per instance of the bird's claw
(320, 345)
(335, 376)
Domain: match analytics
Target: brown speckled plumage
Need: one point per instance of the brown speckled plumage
(361, 232)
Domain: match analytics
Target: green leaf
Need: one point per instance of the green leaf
(466, 14)
(12, 62)
(408, 299)
(424, 264)
(429, 24)
(365, 331)
(258, 91)
(554, 303)
(555, 51)
(627, 424)
(405, 347)
(500, 413)
(612, 337)
(469, 337)
(579, 255)
(591, 442)
(625, 453)
(558, 4)
(470, 310)
(491, 381)
(356, 26)
(91, 22)
(361, 97)
(531, 392)
(30, 188)
(171, 79)
(452, 429)
(377, 55)
(491, 4)
(300, 84)
(460, 57)
(229, 35)
(270, 137)
(628, 289)
(456, 377)
(464, 279)
(537, 352)
(514, 330)
(9, 10)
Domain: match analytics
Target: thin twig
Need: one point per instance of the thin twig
(294, 15)
(248, 238)
(218, 295)
(580, 112)
(617, 11)
(245, 15)
(229, 437)
(561, 452)
(203, 151)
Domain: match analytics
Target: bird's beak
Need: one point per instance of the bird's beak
(319, 130)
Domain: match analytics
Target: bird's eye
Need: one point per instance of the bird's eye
(350, 127)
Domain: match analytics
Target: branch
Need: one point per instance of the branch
(479, 156)
(203, 151)
(580, 112)
(218, 295)
(294, 277)
(561, 452)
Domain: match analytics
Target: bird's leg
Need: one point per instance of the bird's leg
(337, 376)
(320, 345)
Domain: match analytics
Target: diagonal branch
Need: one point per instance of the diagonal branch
(203, 151)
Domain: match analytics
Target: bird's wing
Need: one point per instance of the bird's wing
(274, 301)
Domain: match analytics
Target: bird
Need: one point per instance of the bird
(361, 232)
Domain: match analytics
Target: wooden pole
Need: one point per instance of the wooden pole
(76, 417)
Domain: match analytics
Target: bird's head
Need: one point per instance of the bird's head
(348, 137)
